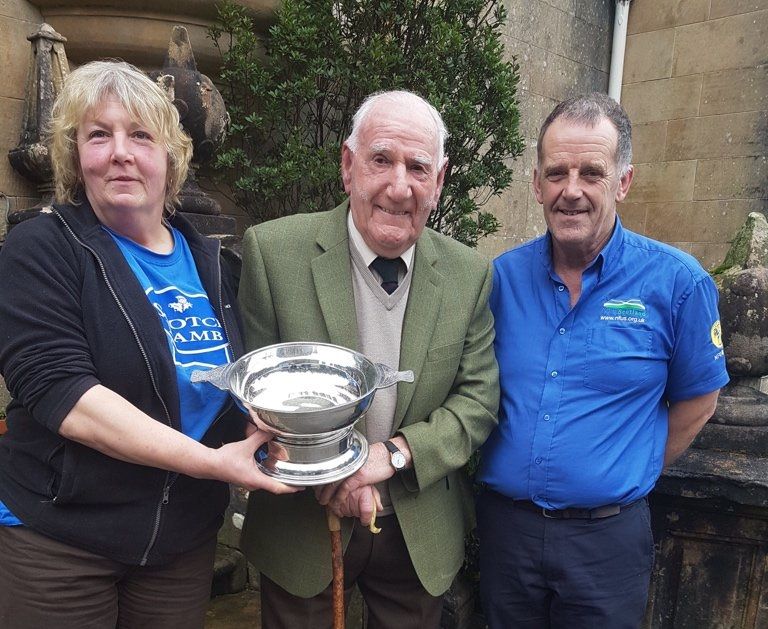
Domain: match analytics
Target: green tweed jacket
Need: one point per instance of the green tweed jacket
(297, 286)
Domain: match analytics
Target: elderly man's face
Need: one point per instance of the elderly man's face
(393, 180)
(578, 184)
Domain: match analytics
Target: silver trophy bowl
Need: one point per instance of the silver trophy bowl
(309, 395)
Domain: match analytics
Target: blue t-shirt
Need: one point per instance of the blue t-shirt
(584, 390)
(196, 338)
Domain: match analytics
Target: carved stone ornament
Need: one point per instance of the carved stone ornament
(48, 70)
(202, 111)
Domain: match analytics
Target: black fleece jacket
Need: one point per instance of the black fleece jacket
(73, 315)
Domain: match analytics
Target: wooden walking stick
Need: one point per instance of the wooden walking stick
(337, 561)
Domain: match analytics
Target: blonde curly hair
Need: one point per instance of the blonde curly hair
(85, 90)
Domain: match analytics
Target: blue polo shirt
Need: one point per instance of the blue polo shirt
(585, 390)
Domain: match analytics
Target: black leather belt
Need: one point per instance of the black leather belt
(573, 513)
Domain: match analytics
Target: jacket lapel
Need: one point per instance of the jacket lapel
(332, 274)
(424, 302)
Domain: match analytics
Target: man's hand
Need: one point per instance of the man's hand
(348, 498)
(362, 503)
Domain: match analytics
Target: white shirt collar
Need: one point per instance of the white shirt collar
(366, 252)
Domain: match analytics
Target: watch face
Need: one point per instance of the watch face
(398, 460)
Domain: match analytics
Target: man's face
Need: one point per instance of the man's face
(393, 180)
(578, 183)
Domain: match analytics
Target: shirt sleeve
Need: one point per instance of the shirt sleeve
(45, 357)
(697, 365)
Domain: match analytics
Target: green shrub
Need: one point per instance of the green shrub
(291, 97)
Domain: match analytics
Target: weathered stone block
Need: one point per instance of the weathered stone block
(11, 113)
(521, 51)
(662, 99)
(734, 90)
(731, 42)
(633, 216)
(735, 178)
(649, 141)
(535, 225)
(138, 30)
(210, 224)
(663, 181)
(230, 572)
(597, 12)
(750, 246)
(649, 56)
(534, 109)
(743, 284)
(510, 208)
(15, 55)
(744, 313)
(585, 43)
(20, 10)
(698, 221)
(726, 135)
(723, 8)
(709, 254)
(651, 15)
(493, 246)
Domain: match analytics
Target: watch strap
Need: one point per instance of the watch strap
(391, 447)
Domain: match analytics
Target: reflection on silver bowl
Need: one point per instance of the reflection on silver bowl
(309, 395)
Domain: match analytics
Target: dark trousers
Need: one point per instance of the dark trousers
(45, 584)
(542, 573)
(382, 569)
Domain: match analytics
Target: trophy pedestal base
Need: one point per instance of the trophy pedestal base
(307, 462)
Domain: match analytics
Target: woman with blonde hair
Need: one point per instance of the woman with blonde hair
(113, 471)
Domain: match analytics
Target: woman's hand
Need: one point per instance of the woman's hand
(236, 464)
(103, 420)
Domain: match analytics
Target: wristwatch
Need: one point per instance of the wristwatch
(396, 457)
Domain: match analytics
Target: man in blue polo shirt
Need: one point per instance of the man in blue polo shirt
(610, 359)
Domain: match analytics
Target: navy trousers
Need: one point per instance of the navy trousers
(543, 573)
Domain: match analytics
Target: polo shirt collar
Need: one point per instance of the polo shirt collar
(606, 255)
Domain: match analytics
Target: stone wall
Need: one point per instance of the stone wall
(696, 88)
(563, 48)
(18, 19)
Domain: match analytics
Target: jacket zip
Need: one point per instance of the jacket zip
(222, 314)
(170, 477)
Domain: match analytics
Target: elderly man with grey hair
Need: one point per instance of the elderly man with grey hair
(369, 276)
(610, 362)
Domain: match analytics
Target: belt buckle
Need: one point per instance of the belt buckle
(545, 512)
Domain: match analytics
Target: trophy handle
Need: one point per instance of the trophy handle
(388, 376)
(218, 376)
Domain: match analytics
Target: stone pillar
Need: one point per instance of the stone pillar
(46, 77)
(710, 509)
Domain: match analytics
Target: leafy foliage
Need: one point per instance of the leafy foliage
(291, 99)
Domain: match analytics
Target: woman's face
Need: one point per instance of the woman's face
(124, 166)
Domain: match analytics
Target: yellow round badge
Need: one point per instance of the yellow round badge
(717, 335)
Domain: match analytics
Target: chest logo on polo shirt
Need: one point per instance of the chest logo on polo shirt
(628, 310)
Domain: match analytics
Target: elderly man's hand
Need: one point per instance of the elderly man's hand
(376, 469)
(363, 503)
(344, 498)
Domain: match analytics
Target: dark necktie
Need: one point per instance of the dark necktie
(388, 271)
